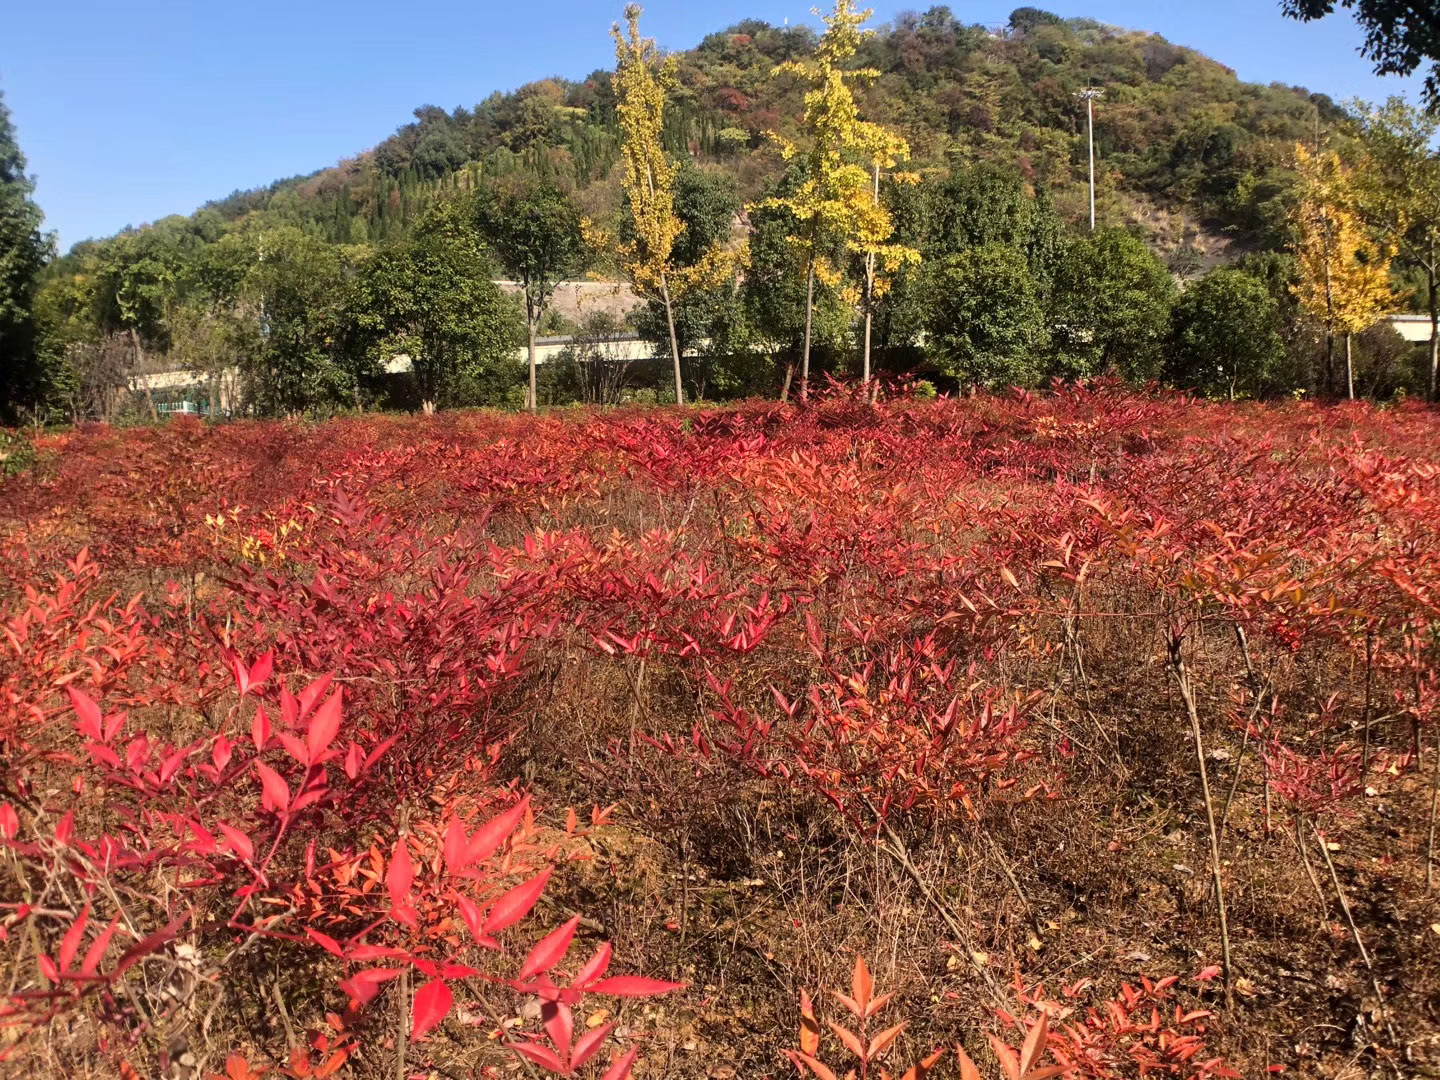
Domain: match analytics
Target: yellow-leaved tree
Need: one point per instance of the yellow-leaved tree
(642, 76)
(1344, 269)
(837, 200)
(874, 230)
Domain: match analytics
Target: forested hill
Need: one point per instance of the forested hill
(1182, 142)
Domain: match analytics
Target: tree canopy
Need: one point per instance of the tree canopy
(24, 251)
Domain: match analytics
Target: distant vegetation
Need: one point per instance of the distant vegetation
(982, 184)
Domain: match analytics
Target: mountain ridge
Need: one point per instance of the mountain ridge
(1178, 136)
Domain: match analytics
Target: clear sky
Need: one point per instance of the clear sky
(132, 111)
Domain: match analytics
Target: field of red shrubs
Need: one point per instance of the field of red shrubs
(1097, 728)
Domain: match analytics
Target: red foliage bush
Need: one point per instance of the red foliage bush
(290, 738)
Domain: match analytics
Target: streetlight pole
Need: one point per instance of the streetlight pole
(1089, 94)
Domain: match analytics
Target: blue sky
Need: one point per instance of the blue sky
(132, 111)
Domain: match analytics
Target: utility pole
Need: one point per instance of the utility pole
(1089, 94)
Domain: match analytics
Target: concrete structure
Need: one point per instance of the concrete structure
(189, 386)
(1414, 328)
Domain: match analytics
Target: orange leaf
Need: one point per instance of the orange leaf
(921, 1070)
(1034, 1045)
(817, 1067)
(1008, 1061)
(968, 1071)
(809, 1029)
(850, 1039)
(880, 1043)
(861, 984)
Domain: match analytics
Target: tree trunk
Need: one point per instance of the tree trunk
(870, 289)
(869, 317)
(1329, 362)
(150, 398)
(1349, 366)
(531, 401)
(809, 323)
(1434, 332)
(674, 341)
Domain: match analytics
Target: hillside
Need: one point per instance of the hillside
(1183, 143)
(311, 286)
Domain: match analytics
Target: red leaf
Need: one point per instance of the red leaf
(432, 1003)
(311, 694)
(65, 828)
(96, 953)
(596, 966)
(294, 747)
(540, 1055)
(516, 904)
(70, 944)
(620, 1067)
(454, 845)
(401, 874)
(549, 950)
(325, 725)
(404, 913)
(589, 1044)
(147, 945)
(276, 794)
(9, 821)
(87, 714)
(48, 969)
(239, 842)
(352, 761)
(471, 914)
(242, 675)
(221, 752)
(492, 834)
(326, 942)
(634, 986)
(379, 752)
(559, 1024)
(260, 729)
(261, 669)
(364, 985)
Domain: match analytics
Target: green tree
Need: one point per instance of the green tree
(1025, 19)
(431, 298)
(989, 203)
(710, 310)
(1224, 336)
(779, 313)
(985, 323)
(1400, 35)
(1110, 307)
(536, 234)
(1397, 192)
(24, 250)
(298, 285)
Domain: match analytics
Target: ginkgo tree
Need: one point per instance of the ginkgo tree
(1344, 271)
(837, 200)
(874, 231)
(642, 76)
